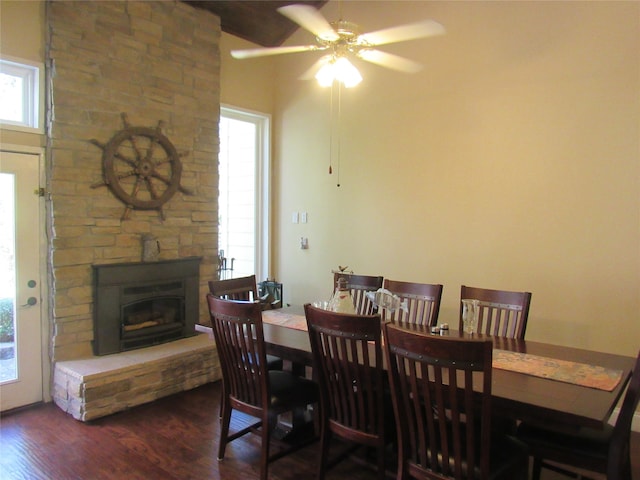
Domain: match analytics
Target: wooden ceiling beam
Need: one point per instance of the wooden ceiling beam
(256, 21)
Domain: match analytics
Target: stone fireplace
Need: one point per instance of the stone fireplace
(141, 304)
(158, 63)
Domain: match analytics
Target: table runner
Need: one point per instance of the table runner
(291, 320)
(582, 374)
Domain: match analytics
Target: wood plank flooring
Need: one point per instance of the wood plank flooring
(171, 438)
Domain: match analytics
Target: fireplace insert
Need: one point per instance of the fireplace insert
(142, 304)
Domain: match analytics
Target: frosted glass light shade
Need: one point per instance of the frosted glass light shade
(339, 69)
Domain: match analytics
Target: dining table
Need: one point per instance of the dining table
(531, 381)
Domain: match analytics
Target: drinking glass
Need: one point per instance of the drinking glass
(470, 313)
(323, 304)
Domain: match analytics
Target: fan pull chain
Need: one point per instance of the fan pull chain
(339, 127)
(335, 129)
(331, 132)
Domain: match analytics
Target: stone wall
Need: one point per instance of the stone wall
(157, 62)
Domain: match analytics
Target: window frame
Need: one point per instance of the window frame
(32, 74)
(262, 212)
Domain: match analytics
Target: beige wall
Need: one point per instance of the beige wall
(249, 85)
(22, 37)
(512, 161)
(22, 33)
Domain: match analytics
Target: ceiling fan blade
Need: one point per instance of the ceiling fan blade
(263, 52)
(390, 60)
(402, 33)
(310, 19)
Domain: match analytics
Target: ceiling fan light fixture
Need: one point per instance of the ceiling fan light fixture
(347, 73)
(325, 75)
(338, 69)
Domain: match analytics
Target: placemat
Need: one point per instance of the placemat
(582, 374)
(290, 320)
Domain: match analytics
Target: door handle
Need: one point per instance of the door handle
(31, 301)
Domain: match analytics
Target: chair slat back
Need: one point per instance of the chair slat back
(619, 446)
(241, 288)
(502, 313)
(349, 374)
(423, 302)
(441, 391)
(237, 328)
(359, 286)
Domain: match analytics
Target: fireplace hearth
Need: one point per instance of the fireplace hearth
(142, 304)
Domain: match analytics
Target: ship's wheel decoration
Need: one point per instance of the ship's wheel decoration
(141, 167)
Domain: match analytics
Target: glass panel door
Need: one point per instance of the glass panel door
(20, 316)
(8, 361)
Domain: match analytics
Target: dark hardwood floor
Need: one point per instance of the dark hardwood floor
(172, 438)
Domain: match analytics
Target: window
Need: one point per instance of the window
(243, 199)
(20, 95)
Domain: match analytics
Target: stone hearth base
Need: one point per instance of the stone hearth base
(94, 387)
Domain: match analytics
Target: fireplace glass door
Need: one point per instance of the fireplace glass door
(159, 318)
(145, 303)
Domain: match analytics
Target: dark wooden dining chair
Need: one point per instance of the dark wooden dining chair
(502, 313)
(423, 302)
(585, 450)
(248, 385)
(351, 379)
(441, 392)
(359, 286)
(240, 288)
(245, 289)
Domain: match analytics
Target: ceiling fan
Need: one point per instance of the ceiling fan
(341, 39)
